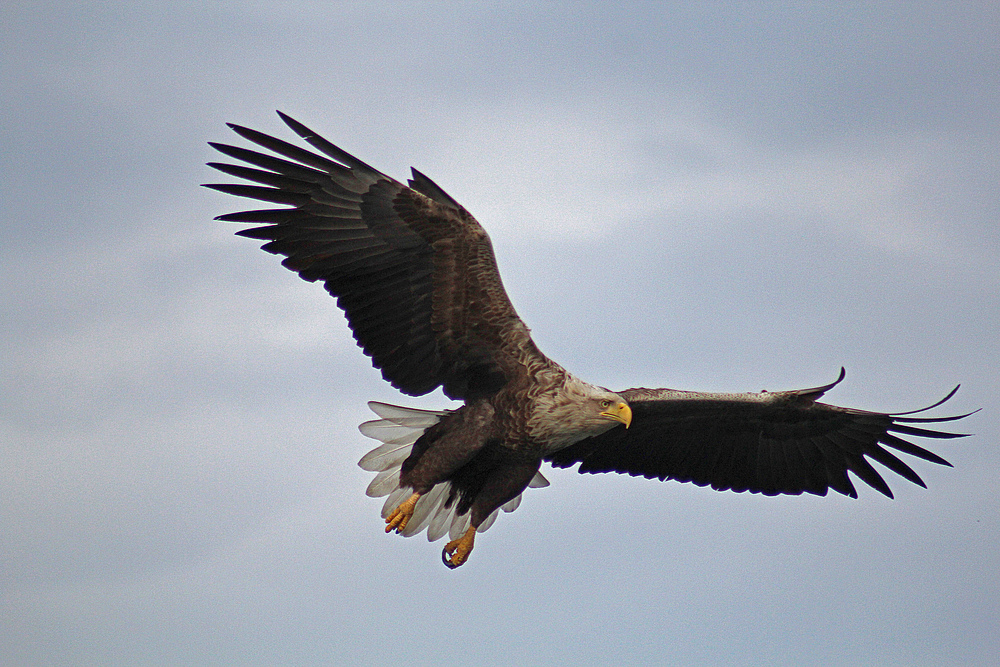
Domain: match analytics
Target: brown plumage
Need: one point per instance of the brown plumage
(417, 279)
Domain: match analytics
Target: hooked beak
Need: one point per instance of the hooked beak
(620, 412)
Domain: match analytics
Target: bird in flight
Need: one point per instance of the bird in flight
(417, 279)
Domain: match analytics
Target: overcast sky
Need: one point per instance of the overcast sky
(699, 196)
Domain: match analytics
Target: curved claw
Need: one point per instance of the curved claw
(400, 516)
(457, 551)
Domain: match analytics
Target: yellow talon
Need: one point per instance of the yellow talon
(401, 515)
(459, 549)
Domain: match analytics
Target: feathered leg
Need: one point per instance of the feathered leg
(509, 474)
(442, 449)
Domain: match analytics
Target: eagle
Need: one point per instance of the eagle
(417, 279)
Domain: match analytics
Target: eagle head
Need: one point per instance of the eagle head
(574, 411)
(615, 408)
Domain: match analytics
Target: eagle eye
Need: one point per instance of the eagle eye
(605, 403)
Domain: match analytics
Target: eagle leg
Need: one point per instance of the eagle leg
(401, 515)
(457, 551)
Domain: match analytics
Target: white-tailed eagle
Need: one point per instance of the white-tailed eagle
(416, 277)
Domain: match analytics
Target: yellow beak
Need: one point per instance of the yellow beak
(620, 413)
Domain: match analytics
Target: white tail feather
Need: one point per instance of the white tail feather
(388, 455)
(398, 429)
(484, 526)
(385, 482)
(537, 482)
(398, 414)
(511, 505)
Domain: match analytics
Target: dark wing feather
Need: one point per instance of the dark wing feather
(413, 271)
(770, 443)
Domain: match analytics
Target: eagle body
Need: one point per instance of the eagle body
(490, 449)
(417, 279)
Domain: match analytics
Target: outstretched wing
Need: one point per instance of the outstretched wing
(413, 271)
(770, 443)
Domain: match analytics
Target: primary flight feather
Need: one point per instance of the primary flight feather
(416, 276)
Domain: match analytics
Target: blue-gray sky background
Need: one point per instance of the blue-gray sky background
(702, 196)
